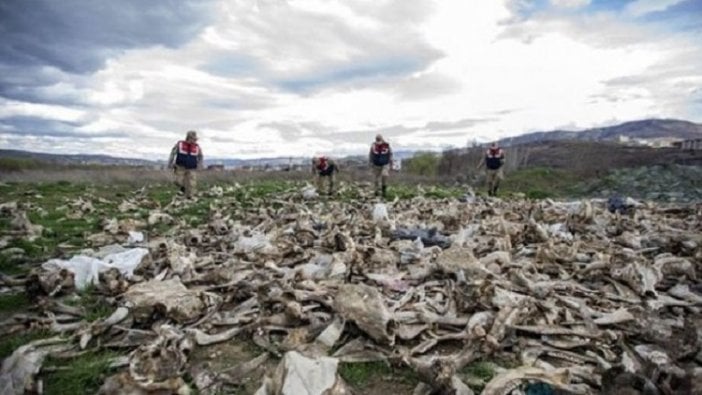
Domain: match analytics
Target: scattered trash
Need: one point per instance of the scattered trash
(297, 374)
(135, 238)
(618, 204)
(257, 243)
(429, 237)
(581, 299)
(86, 269)
(309, 193)
(170, 298)
(20, 368)
(380, 213)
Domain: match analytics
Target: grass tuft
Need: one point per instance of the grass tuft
(10, 303)
(9, 343)
(80, 375)
(481, 369)
(93, 304)
(478, 374)
(362, 374)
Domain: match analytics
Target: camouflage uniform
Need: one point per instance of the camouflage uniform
(380, 158)
(186, 158)
(325, 168)
(493, 160)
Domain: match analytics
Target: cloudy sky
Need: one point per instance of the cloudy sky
(302, 77)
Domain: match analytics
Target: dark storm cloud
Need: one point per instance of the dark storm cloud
(46, 41)
(28, 126)
(78, 35)
(40, 84)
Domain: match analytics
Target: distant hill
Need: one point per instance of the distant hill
(644, 130)
(649, 129)
(79, 159)
(72, 159)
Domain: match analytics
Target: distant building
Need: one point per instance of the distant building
(655, 142)
(692, 144)
(215, 167)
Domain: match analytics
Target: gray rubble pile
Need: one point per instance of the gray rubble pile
(585, 301)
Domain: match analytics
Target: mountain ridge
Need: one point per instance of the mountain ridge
(646, 129)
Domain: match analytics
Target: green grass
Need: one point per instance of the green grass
(81, 375)
(10, 343)
(93, 304)
(541, 183)
(481, 369)
(10, 303)
(162, 193)
(348, 195)
(443, 192)
(12, 266)
(18, 164)
(402, 192)
(362, 374)
(478, 374)
(58, 229)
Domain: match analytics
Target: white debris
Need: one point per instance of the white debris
(560, 230)
(135, 237)
(19, 369)
(170, 296)
(257, 243)
(380, 213)
(299, 375)
(309, 192)
(86, 269)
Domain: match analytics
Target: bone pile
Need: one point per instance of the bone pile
(581, 299)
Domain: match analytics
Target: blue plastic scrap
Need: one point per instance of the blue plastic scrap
(617, 204)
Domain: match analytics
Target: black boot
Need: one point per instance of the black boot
(385, 190)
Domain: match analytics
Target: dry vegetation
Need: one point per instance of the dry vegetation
(583, 159)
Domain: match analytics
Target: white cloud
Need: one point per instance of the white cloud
(642, 7)
(303, 77)
(570, 3)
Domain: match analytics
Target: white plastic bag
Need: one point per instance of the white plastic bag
(380, 213)
(257, 243)
(135, 237)
(309, 192)
(86, 269)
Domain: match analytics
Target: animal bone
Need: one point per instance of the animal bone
(204, 339)
(19, 369)
(364, 306)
